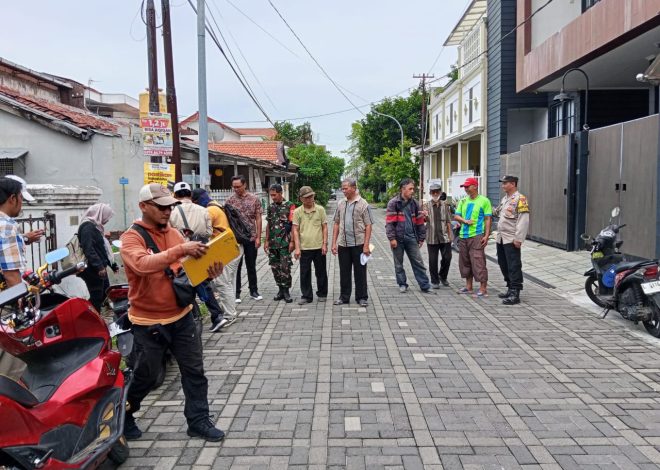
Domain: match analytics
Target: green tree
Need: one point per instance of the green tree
(293, 135)
(393, 168)
(316, 168)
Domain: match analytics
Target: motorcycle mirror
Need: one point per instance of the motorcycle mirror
(125, 343)
(116, 243)
(56, 255)
(615, 212)
(585, 237)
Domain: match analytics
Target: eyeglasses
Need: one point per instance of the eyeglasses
(159, 207)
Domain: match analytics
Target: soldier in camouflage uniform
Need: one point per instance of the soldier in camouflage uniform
(279, 241)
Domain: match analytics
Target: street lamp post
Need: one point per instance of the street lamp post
(397, 122)
(563, 96)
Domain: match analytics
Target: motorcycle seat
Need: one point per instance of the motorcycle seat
(16, 392)
(634, 265)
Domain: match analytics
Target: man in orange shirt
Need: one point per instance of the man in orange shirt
(158, 322)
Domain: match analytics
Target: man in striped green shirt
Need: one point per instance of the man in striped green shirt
(474, 213)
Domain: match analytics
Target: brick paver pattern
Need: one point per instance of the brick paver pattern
(415, 381)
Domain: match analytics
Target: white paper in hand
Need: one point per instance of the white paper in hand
(364, 259)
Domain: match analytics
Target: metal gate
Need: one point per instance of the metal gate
(35, 251)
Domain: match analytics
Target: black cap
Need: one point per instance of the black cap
(197, 193)
(509, 179)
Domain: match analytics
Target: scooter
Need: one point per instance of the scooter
(67, 409)
(632, 288)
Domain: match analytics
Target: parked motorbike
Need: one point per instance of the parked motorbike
(67, 409)
(632, 288)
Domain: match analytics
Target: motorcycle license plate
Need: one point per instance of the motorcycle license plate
(651, 287)
(597, 255)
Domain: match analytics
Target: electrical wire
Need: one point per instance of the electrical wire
(442, 49)
(240, 51)
(314, 59)
(262, 29)
(500, 41)
(238, 76)
(130, 29)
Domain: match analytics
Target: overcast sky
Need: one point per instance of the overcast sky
(371, 48)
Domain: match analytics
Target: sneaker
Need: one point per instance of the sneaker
(428, 291)
(403, 289)
(219, 324)
(131, 431)
(445, 283)
(304, 301)
(207, 431)
(322, 299)
(230, 320)
(255, 295)
(238, 300)
(435, 286)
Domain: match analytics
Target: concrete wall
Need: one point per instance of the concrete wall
(55, 158)
(526, 126)
(552, 18)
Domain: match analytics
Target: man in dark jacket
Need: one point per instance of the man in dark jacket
(406, 230)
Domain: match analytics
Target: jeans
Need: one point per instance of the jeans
(444, 250)
(205, 294)
(349, 257)
(508, 257)
(182, 338)
(411, 248)
(250, 257)
(307, 257)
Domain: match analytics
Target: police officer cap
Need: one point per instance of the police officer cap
(435, 187)
(509, 179)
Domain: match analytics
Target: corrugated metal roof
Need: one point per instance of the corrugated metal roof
(471, 17)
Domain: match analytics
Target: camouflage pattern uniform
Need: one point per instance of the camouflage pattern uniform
(279, 218)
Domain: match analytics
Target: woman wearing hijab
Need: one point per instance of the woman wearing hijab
(97, 250)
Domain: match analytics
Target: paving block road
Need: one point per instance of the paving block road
(442, 381)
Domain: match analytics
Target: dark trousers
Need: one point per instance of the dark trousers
(508, 257)
(184, 341)
(205, 294)
(250, 257)
(97, 287)
(307, 257)
(349, 258)
(444, 250)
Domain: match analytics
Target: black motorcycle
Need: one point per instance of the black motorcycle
(632, 288)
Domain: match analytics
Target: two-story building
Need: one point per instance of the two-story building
(457, 112)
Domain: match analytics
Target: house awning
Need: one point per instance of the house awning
(474, 12)
(12, 153)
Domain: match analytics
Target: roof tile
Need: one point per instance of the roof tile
(268, 150)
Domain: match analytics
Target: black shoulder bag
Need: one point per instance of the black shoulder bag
(183, 290)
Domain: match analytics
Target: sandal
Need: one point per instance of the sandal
(480, 294)
(463, 290)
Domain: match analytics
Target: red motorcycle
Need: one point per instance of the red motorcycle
(67, 409)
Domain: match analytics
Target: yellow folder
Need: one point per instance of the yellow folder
(222, 248)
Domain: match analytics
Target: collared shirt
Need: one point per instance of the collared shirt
(249, 207)
(12, 246)
(439, 214)
(310, 224)
(513, 223)
(353, 218)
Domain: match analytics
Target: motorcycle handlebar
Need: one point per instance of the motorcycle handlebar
(57, 277)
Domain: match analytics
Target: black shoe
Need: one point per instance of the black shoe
(131, 431)
(280, 295)
(363, 302)
(255, 295)
(512, 299)
(304, 301)
(428, 291)
(504, 295)
(286, 296)
(322, 299)
(444, 282)
(207, 431)
(342, 302)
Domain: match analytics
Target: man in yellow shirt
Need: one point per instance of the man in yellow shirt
(224, 284)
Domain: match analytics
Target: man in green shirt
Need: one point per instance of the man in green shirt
(310, 235)
(474, 213)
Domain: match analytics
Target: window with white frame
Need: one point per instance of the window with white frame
(471, 47)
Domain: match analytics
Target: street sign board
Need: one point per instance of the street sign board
(157, 134)
(123, 180)
(158, 173)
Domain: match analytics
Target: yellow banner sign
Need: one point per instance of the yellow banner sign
(158, 173)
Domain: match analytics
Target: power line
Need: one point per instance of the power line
(261, 28)
(501, 40)
(238, 76)
(314, 59)
(442, 49)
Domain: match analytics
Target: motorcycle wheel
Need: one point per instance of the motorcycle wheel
(119, 452)
(591, 287)
(653, 325)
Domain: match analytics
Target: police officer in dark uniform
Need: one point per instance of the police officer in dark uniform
(512, 227)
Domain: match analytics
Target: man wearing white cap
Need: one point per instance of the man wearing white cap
(12, 243)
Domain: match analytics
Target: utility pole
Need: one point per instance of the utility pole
(201, 90)
(152, 56)
(171, 89)
(423, 77)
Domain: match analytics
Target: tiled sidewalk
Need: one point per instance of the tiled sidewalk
(419, 381)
